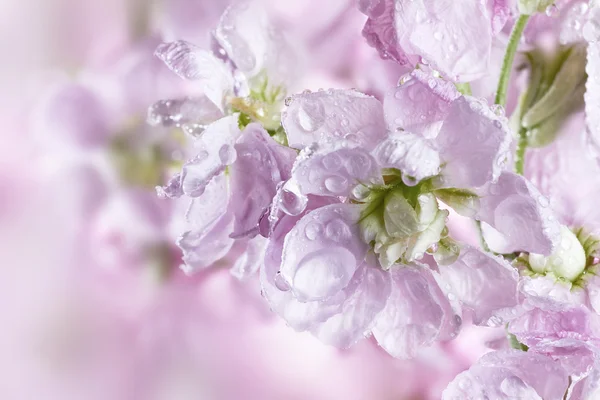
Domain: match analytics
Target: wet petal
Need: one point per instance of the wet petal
(515, 208)
(323, 251)
(334, 169)
(411, 154)
(193, 63)
(299, 315)
(484, 284)
(367, 294)
(510, 374)
(334, 114)
(261, 164)
(419, 104)
(455, 37)
(248, 263)
(592, 93)
(216, 151)
(199, 111)
(414, 313)
(380, 32)
(473, 143)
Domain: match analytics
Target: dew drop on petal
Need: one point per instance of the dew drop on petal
(313, 230)
(227, 154)
(280, 282)
(336, 184)
(324, 271)
(337, 230)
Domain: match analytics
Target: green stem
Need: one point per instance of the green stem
(520, 153)
(509, 56)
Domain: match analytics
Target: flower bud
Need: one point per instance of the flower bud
(567, 261)
(532, 6)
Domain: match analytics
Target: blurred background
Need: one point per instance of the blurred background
(93, 303)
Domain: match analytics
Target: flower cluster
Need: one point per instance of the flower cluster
(342, 202)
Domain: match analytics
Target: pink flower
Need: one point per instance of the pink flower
(437, 33)
(380, 170)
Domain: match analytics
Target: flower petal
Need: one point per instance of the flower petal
(473, 143)
(193, 63)
(455, 37)
(367, 295)
(334, 169)
(216, 151)
(484, 284)
(411, 154)
(419, 104)
(510, 374)
(323, 251)
(414, 314)
(515, 208)
(199, 111)
(299, 315)
(260, 165)
(336, 114)
(380, 32)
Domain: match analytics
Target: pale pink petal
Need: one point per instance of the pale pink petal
(419, 104)
(510, 374)
(199, 111)
(334, 169)
(515, 208)
(411, 154)
(216, 152)
(193, 63)
(367, 295)
(202, 248)
(261, 164)
(473, 143)
(414, 314)
(455, 37)
(334, 114)
(592, 94)
(323, 251)
(251, 258)
(484, 284)
(380, 31)
(299, 315)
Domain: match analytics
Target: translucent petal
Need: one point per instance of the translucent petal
(334, 114)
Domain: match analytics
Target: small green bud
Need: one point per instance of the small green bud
(529, 7)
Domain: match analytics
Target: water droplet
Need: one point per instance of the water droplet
(360, 192)
(280, 282)
(451, 296)
(227, 154)
(288, 101)
(292, 203)
(438, 35)
(336, 184)
(324, 272)
(337, 230)
(313, 230)
(311, 116)
(332, 162)
(498, 109)
(345, 123)
(543, 201)
(409, 180)
(432, 83)
(552, 10)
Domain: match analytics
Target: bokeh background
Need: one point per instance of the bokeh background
(92, 302)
